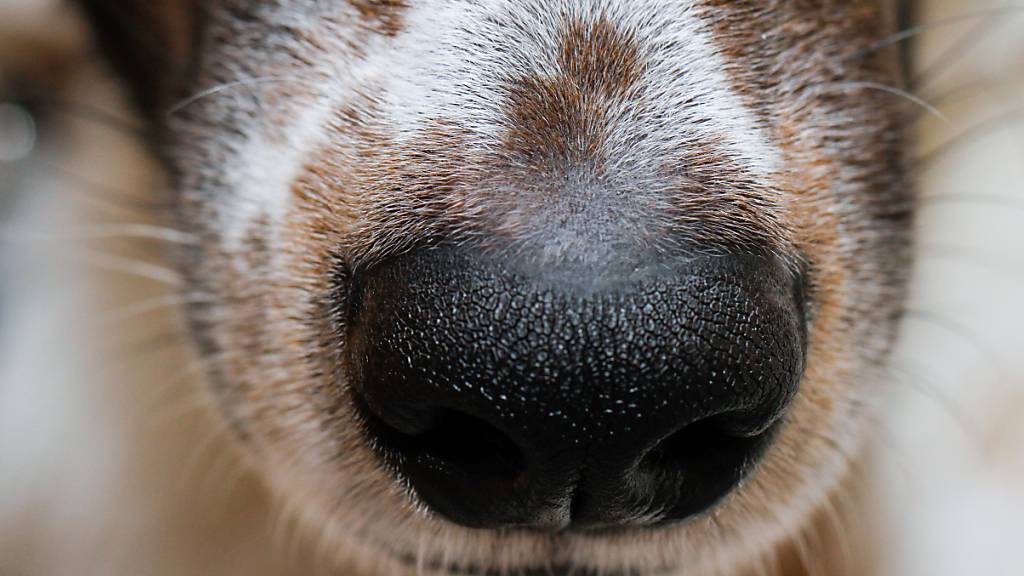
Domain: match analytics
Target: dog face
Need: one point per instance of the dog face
(521, 285)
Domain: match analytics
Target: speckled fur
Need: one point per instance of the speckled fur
(308, 137)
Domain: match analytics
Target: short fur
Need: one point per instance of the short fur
(304, 139)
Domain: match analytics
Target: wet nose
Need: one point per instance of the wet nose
(512, 394)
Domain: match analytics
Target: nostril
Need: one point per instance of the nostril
(455, 441)
(468, 446)
(707, 443)
(456, 457)
(700, 463)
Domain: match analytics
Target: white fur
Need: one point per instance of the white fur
(63, 456)
(454, 56)
(450, 61)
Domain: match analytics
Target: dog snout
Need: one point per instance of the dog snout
(512, 394)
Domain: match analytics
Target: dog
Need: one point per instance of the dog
(469, 287)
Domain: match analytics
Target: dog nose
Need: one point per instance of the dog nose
(508, 393)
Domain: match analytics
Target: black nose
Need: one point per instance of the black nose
(513, 394)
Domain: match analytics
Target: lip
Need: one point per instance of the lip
(449, 569)
(440, 565)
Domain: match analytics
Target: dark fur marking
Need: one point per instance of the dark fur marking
(385, 16)
(563, 118)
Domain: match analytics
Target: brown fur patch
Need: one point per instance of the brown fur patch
(438, 185)
(598, 57)
(563, 117)
(399, 195)
(385, 16)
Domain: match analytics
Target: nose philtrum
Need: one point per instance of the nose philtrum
(510, 396)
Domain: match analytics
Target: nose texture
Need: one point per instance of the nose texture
(516, 395)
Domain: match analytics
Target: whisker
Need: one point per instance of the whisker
(958, 49)
(987, 260)
(138, 231)
(886, 439)
(219, 88)
(220, 430)
(973, 88)
(162, 341)
(111, 199)
(935, 25)
(78, 110)
(191, 403)
(958, 329)
(280, 531)
(98, 116)
(839, 530)
(101, 232)
(68, 250)
(899, 92)
(131, 267)
(911, 374)
(805, 554)
(136, 309)
(980, 129)
(993, 200)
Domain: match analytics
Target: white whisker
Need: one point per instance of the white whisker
(1003, 265)
(100, 232)
(929, 72)
(1000, 121)
(136, 309)
(132, 267)
(219, 88)
(992, 200)
(912, 98)
(911, 374)
(138, 231)
(936, 25)
(960, 330)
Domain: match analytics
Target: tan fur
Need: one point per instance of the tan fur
(435, 185)
(263, 311)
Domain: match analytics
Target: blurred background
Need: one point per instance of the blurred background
(949, 461)
(951, 472)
